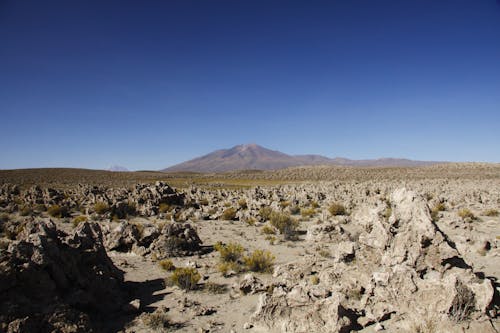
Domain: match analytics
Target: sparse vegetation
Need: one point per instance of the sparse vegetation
(265, 212)
(25, 210)
(231, 252)
(167, 265)
(164, 208)
(315, 279)
(57, 211)
(101, 208)
(268, 230)
(215, 288)
(439, 207)
(156, 321)
(337, 209)
(260, 261)
(307, 212)
(229, 214)
(186, 278)
(284, 223)
(491, 212)
(466, 214)
(225, 267)
(79, 219)
(463, 303)
(243, 204)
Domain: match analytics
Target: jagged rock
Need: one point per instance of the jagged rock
(176, 239)
(49, 279)
(404, 264)
(251, 285)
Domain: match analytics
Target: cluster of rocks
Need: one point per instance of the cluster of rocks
(143, 199)
(157, 240)
(401, 267)
(54, 282)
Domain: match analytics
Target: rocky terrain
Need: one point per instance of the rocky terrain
(395, 250)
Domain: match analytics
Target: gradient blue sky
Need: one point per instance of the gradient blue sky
(147, 84)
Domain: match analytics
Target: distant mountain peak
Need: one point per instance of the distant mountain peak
(251, 156)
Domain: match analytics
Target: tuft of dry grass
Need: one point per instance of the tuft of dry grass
(260, 261)
(337, 209)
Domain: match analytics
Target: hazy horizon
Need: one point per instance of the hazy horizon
(88, 84)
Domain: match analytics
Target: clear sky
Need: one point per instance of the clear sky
(147, 84)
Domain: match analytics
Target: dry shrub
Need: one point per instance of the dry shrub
(185, 278)
(229, 214)
(284, 223)
(79, 219)
(230, 252)
(101, 207)
(337, 209)
(265, 212)
(167, 265)
(57, 211)
(260, 261)
(491, 212)
(466, 214)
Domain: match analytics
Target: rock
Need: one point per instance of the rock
(404, 264)
(47, 277)
(247, 326)
(176, 239)
(251, 285)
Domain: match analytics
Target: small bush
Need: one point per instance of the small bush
(271, 239)
(307, 212)
(25, 210)
(185, 278)
(243, 204)
(156, 321)
(229, 214)
(284, 204)
(387, 213)
(230, 252)
(250, 221)
(337, 209)
(167, 265)
(268, 230)
(226, 267)
(79, 219)
(101, 208)
(164, 208)
(466, 214)
(284, 223)
(314, 204)
(265, 212)
(491, 212)
(260, 261)
(315, 279)
(215, 288)
(57, 211)
(204, 202)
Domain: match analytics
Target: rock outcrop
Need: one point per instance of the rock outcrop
(53, 282)
(401, 266)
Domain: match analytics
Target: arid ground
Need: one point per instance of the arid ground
(313, 249)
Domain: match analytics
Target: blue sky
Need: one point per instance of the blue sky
(147, 84)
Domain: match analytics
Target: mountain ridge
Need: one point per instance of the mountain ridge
(255, 157)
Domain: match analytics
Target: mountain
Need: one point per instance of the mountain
(117, 168)
(255, 157)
